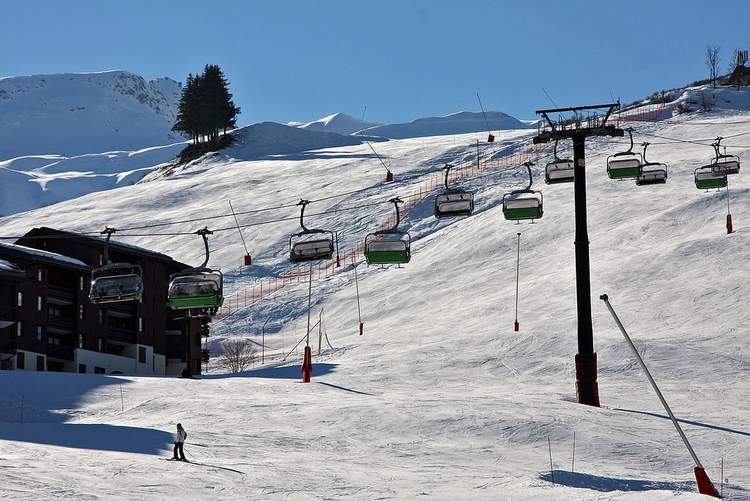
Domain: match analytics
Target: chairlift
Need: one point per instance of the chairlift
(625, 164)
(525, 204)
(115, 282)
(724, 164)
(560, 170)
(199, 290)
(391, 246)
(651, 172)
(453, 202)
(307, 244)
(707, 179)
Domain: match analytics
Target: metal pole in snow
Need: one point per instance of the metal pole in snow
(516, 325)
(551, 469)
(730, 229)
(359, 309)
(309, 307)
(704, 483)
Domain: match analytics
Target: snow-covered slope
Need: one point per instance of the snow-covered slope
(455, 123)
(339, 123)
(439, 399)
(36, 181)
(72, 114)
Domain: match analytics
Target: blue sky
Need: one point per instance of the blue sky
(295, 60)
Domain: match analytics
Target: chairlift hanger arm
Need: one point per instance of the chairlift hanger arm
(396, 201)
(447, 169)
(204, 233)
(107, 231)
(531, 177)
(303, 203)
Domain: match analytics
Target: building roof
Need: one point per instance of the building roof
(8, 268)
(42, 255)
(113, 244)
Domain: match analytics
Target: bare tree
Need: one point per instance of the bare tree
(713, 58)
(237, 354)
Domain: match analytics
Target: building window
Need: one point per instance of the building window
(99, 370)
(101, 344)
(101, 317)
(80, 283)
(20, 360)
(80, 340)
(39, 303)
(140, 324)
(142, 354)
(19, 299)
(82, 368)
(80, 312)
(39, 275)
(101, 260)
(39, 332)
(18, 329)
(39, 363)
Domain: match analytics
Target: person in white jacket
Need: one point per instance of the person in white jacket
(179, 442)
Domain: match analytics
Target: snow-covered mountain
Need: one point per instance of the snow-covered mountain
(339, 123)
(456, 123)
(72, 114)
(440, 398)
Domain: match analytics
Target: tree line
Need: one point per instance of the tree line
(206, 107)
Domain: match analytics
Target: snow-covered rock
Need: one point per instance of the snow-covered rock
(78, 113)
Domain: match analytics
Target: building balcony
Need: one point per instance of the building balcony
(62, 352)
(119, 335)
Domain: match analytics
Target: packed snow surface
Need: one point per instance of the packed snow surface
(455, 123)
(439, 399)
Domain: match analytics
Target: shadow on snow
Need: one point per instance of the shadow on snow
(35, 408)
(610, 484)
(282, 372)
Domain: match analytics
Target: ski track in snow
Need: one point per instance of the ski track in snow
(439, 399)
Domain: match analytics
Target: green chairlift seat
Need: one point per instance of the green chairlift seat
(391, 246)
(199, 291)
(524, 204)
(707, 179)
(625, 164)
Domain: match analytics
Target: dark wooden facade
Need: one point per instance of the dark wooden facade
(58, 322)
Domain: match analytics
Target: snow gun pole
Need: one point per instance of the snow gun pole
(516, 325)
(359, 309)
(389, 174)
(248, 259)
(490, 137)
(730, 229)
(307, 360)
(704, 483)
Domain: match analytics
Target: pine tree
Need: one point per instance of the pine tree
(206, 106)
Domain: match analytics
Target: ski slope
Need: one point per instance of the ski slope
(439, 398)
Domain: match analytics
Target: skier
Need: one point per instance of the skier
(179, 442)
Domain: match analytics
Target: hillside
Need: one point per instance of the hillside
(340, 123)
(456, 123)
(71, 114)
(439, 398)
